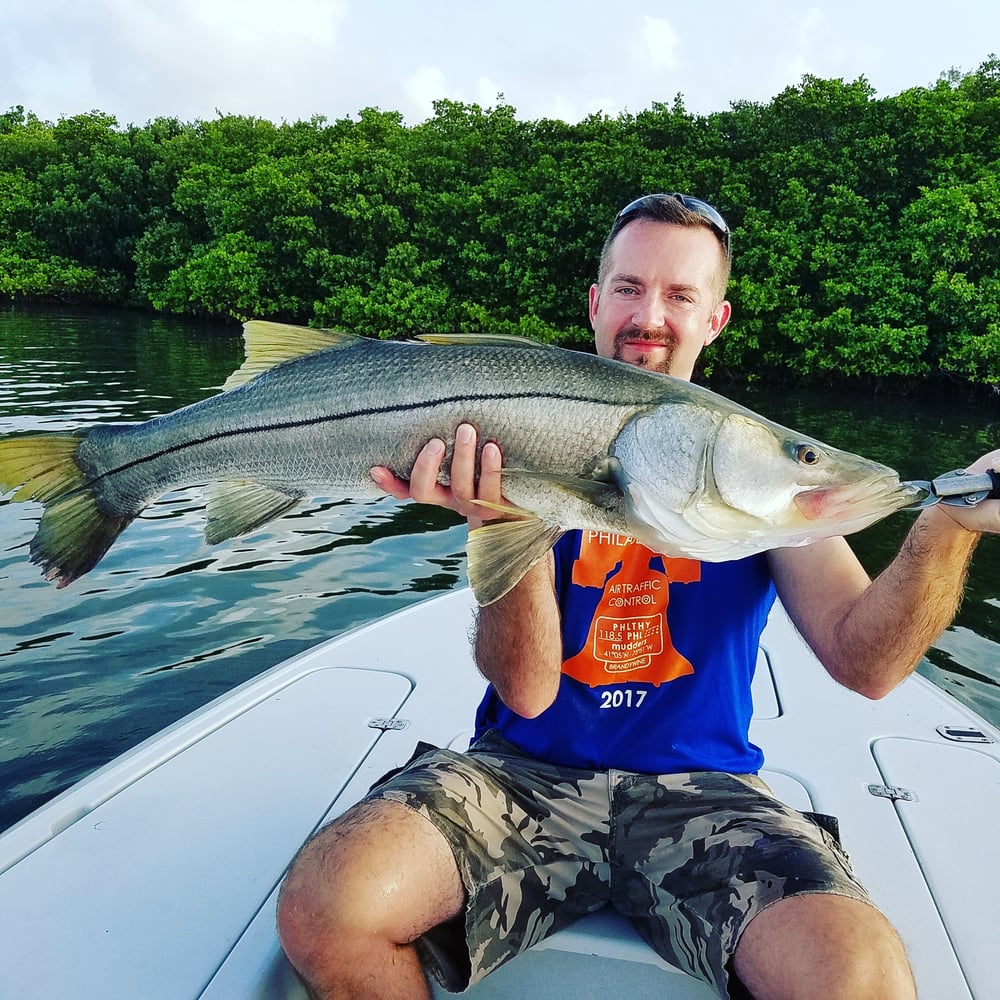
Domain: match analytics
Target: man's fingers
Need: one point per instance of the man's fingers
(424, 485)
(984, 517)
(463, 465)
(385, 480)
(489, 476)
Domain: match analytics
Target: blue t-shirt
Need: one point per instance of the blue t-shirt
(658, 658)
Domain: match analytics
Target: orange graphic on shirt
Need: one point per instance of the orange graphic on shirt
(629, 639)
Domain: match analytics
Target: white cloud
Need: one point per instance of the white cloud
(660, 44)
(260, 24)
(821, 44)
(139, 59)
(142, 58)
(429, 84)
(422, 88)
(489, 92)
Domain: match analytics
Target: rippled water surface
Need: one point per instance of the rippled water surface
(165, 623)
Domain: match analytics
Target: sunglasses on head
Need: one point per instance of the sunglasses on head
(647, 207)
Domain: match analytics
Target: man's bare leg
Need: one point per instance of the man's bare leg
(823, 945)
(359, 894)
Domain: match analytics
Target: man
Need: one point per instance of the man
(602, 776)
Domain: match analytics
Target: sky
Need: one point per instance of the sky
(294, 59)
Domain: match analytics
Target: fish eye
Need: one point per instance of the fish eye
(807, 454)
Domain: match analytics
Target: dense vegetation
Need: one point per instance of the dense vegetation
(867, 231)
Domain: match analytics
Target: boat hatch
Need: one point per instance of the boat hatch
(949, 831)
(196, 847)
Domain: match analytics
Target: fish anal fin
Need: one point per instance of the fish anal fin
(268, 344)
(504, 508)
(236, 507)
(501, 552)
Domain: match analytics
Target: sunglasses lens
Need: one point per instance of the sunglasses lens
(649, 202)
(703, 209)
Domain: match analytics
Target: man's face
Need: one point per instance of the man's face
(657, 304)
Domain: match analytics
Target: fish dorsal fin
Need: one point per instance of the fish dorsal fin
(238, 506)
(481, 340)
(501, 552)
(268, 344)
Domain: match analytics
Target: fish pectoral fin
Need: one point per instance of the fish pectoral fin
(504, 508)
(599, 492)
(239, 506)
(501, 552)
(269, 344)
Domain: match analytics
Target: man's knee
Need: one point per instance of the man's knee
(380, 874)
(842, 945)
(314, 901)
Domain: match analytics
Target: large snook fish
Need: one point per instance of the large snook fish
(587, 443)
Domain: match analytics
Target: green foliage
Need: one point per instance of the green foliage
(26, 270)
(866, 230)
(407, 297)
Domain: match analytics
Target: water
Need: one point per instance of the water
(166, 622)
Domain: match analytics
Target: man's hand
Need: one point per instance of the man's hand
(424, 487)
(984, 517)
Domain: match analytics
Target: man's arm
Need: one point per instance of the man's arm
(518, 643)
(870, 635)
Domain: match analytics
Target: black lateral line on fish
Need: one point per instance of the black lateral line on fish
(331, 418)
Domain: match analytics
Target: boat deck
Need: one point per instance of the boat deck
(158, 875)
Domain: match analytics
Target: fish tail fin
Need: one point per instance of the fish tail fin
(73, 534)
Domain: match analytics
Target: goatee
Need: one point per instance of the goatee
(661, 365)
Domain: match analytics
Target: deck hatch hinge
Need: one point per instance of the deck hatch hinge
(893, 792)
(388, 724)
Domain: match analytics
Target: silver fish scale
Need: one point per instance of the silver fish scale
(315, 425)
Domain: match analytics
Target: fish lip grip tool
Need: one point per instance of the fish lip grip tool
(959, 489)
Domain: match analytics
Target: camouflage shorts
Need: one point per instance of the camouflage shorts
(691, 858)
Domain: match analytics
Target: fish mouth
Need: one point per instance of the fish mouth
(871, 499)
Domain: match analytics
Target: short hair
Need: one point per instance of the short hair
(673, 210)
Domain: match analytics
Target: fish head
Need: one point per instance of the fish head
(797, 484)
(715, 483)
